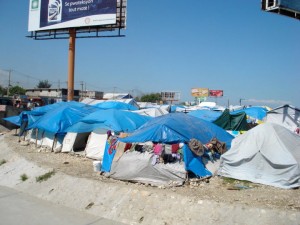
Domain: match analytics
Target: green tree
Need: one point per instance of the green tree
(153, 97)
(44, 84)
(16, 90)
(2, 91)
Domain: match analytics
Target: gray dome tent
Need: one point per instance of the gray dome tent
(267, 154)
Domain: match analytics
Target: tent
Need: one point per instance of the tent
(74, 142)
(91, 101)
(92, 143)
(267, 154)
(286, 115)
(255, 112)
(115, 105)
(208, 115)
(96, 144)
(59, 119)
(152, 112)
(111, 119)
(230, 121)
(178, 127)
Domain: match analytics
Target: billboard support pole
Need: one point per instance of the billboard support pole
(71, 64)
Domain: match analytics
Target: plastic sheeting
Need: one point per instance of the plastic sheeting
(178, 127)
(136, 166)
(207, 115)
(267, 154)
(258, 113)
(232, 122)
(115, 105)
(111, 119)
(194, 163)
(59, 119)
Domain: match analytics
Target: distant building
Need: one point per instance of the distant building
(111, 96)
(51, 95)
(91, 94)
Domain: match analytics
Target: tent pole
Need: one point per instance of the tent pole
(36, 137)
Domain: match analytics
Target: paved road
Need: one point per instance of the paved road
(17, 208)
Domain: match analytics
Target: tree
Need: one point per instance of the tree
(16, 90)
(2, 91)
(153, 97)
(44, 84)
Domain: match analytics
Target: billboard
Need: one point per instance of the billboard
(200, 92)
(215, 93)
(289, 8)
(61, 14)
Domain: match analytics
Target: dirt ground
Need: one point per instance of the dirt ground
(216, 188)
(75, 184)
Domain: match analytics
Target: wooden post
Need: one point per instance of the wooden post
(71, 65)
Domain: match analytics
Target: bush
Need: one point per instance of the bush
(2, 162)
(24, 177)
(45, 177)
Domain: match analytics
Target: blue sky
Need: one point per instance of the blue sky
(169, 46)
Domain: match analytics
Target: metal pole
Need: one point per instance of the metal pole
(71, 65)
(9, 74)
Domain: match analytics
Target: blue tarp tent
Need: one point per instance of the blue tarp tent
(208, 115)
(194, 163)
(112, 119)
(14, 120)
(34, 114)
(59, 119)
(254, 112)
(115, 105)
(178, 127)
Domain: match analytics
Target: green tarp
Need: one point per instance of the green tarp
(232, 122)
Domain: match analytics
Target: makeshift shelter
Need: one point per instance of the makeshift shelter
(170, 129)
(131, 102)
(176, 128)
(267, 154)
(74, 142)
(111, 119)
(208, 115)
(115, 105)
(92, 143)
(152, 112)
(254, 113)
(229, 121)
(286, 115)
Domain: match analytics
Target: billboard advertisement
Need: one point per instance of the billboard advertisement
(216, 93)
(200, 92)
(290, 4)
(61, 14)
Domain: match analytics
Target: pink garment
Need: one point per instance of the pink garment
(157, 149)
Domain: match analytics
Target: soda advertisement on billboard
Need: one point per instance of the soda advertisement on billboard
(200, 92)
(215, 93)
(59, 14)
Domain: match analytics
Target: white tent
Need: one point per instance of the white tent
(93, 143)
(44, 139)
(96, 144)
(74, 142)
(267, 154)
(152, 112)
(287, 116)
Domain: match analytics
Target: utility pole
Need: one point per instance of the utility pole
(81, 83)
(114, 92)
(9, 74)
